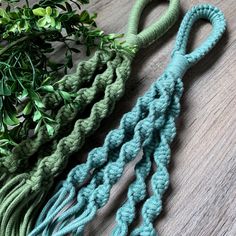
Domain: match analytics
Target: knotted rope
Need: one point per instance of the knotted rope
(104, 75)
(149, 127)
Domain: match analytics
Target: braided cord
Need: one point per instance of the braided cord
(113, 143)
(136, 193)
(66, 146)
(66, 114)
(153, 125)
(40, 178)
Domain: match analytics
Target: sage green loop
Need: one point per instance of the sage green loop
(154, 31)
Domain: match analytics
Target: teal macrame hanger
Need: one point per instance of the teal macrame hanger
(149, 127)
(24, 185)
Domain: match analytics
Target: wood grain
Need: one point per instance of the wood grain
(201, 200)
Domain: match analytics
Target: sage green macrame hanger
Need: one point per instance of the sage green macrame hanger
(115, 76)
(24, 187)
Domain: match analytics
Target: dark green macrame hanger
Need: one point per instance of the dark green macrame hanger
(24, 188)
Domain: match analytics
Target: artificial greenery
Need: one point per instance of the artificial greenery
(29, 36)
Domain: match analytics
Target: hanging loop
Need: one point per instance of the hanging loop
(154, 31)
(181, 60)
(217, 20)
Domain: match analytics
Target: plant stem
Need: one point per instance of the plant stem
(20, 40)
(27, 3)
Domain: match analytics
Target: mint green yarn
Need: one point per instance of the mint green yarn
(148, 127)
(105, 74)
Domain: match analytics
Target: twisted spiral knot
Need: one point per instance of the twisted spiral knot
(48, 166)
(67, 113)
(144, 231)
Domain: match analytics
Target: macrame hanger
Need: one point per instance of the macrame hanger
(178, 65)
(149, 126)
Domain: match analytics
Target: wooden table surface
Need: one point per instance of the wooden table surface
(201, 200)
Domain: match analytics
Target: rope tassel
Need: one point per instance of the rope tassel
(97, 84)
(149, 127)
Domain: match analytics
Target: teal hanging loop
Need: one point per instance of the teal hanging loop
(149, 127)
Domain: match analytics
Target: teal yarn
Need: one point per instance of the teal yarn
(148, 127)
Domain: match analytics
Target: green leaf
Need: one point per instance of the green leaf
(27, 12)
(68, 6)
(61, 6)
(42, 22)
(3, 14)
(3, 21)
(49, 10)
(47, 88)
(4, 88)
(37, 127)
(58, 25)
(64, 17)
(37, 116)
(39, 104)
(24, 94)
(13, 15)
(66, 96)
(28, 108)
(39, 11)
(50, 129)
(47, 81)
(10, 118)
(4, 151)
(84, 16)
(52, 22)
